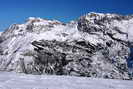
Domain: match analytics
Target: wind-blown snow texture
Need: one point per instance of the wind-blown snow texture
(95, 45)
(22, 81)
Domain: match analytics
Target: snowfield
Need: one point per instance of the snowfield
(9, 80)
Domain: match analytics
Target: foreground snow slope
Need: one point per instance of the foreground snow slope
(22, 81)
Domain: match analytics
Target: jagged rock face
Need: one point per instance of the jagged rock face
(80, 58)
(96, 45)
(64, 58)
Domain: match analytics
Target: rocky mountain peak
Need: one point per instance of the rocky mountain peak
(95, 45)
(40, 21)
(105, 16)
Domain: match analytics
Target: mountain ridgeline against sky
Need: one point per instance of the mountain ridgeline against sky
(95, 45)
(16, 11)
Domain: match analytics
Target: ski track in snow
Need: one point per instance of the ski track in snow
(10, 80)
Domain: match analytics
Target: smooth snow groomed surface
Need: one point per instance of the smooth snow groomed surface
(10, 80)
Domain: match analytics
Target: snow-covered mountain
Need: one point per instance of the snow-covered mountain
(95, 45)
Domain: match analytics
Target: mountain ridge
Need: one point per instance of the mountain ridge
(95, 45)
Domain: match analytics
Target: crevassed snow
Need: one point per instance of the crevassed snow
(22, 81)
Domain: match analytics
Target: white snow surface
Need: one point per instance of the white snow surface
(0, 33)
(9, 80)
(126, 27)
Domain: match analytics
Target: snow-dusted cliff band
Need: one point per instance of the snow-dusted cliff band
(95, 45)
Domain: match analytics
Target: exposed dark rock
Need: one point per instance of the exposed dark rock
(96, 45)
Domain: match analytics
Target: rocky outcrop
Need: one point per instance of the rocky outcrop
(96, 45)
(82, 59)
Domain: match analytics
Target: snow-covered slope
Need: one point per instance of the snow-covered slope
(21, 81)
(0, 33)
(95, 45)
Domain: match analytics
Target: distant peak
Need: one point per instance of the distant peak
(93, 16)
(41, 20)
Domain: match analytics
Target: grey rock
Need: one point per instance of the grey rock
(95, 45)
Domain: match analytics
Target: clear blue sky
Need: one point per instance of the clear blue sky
(16, 11)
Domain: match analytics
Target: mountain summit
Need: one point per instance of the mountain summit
(95, 45)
